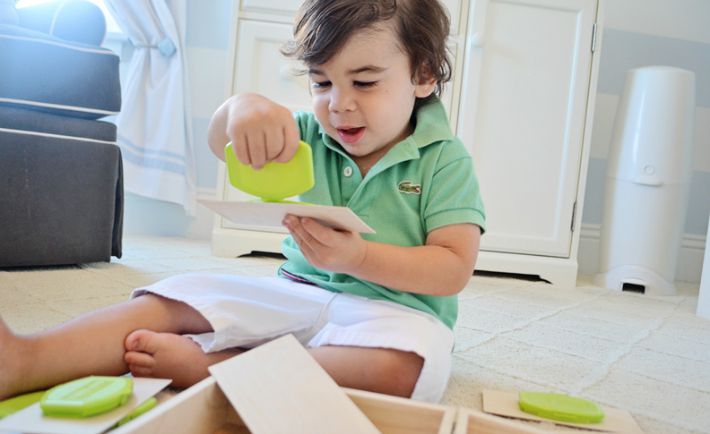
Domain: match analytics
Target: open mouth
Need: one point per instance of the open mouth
(351, 135)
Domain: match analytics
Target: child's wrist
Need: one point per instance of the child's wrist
(361, 261)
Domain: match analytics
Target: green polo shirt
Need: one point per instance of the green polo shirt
(424, 182)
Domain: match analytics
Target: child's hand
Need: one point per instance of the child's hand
(260, 130)
(327, 248)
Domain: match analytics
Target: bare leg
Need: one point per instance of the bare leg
(381, 370)
(92, 344)
(11, 354)
(167, 355)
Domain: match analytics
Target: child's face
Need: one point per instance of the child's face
(364, 96)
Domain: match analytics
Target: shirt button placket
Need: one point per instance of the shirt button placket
(349, 184)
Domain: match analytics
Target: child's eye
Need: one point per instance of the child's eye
(365, 84)
(320, 84)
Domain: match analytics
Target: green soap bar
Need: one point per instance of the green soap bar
(274, 181)
(143, 408)
(12, 405)
(87, 396)
(560, 407)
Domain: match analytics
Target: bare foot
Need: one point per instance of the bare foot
(11, 363)
(167, 355)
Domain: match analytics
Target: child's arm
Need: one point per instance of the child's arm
(442, 266)
(259, 129)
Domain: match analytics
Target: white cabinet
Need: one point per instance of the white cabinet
(521, 100)
(529, 84)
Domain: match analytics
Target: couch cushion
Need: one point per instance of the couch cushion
(49, 74)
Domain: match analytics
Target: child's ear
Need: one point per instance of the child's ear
(425, 83)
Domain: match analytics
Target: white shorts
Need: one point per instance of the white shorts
(247, 311)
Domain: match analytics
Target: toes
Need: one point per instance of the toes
(140, 371)
(140, 364)
(141, 340)
(139, 359)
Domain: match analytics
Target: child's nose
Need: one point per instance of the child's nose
(341, 101)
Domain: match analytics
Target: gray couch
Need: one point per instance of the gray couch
(61, 180)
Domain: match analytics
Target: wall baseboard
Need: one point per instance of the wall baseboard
(690, 259)
(201, 226)
(144, 216)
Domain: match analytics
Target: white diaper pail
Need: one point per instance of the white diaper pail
(648, 181)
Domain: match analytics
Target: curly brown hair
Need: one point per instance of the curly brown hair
(322, 27)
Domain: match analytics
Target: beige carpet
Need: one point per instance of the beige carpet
(648, 355)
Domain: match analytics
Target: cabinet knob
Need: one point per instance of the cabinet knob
(479, 9)
(476, 40)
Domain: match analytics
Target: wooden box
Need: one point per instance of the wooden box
(204, 409)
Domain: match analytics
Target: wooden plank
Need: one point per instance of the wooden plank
(278, 388)
(476, 422)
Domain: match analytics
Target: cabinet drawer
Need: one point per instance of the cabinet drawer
(279, 6)
(289, 7)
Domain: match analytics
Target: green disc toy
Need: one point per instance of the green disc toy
(274, 181)
(560, 407)
(86, 396)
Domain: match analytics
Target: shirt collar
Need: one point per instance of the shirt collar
(432, 124)
(432, 127)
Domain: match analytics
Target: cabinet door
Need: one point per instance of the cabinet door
(523, 109)
(260, 67)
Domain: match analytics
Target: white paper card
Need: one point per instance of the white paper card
(31, 419)
(272, 213)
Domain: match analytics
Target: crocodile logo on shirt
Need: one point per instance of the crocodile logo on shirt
(409, 188)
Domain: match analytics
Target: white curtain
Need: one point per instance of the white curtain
(155, 123)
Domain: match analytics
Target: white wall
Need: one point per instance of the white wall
(678, 19)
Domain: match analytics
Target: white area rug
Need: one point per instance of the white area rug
(648, 355)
